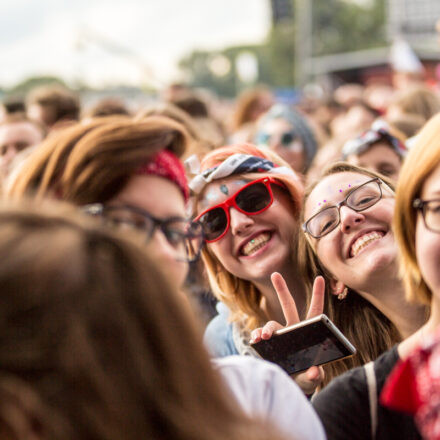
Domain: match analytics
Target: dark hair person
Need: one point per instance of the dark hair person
(85, 351)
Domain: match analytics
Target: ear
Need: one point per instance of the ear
(336, 287)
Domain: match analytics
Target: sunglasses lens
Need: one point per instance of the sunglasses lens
(287, 138)
(214, 223)
(253, 198)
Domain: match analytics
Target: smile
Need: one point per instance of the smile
(365, 240)
(255, 244)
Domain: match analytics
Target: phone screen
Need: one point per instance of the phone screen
(299, 349)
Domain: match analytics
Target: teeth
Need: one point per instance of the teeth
(256, 243)
(363, 241)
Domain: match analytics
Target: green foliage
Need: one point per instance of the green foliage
(25, 86)
(343, 26)
(337, 26)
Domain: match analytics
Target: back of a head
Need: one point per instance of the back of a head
(418, 100)
(53, 103)
(88, 345)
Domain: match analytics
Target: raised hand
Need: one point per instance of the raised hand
(310, 379)
(288, 305)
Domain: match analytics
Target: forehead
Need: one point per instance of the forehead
(380, 151)
(431, 186)
(220, 190)
(277, 125)
(20, 131)
(332, 189)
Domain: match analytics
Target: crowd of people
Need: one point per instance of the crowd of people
(145, 252)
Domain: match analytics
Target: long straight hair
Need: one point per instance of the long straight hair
(365, 326)
(95, 344)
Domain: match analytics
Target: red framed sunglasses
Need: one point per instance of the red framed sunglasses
(252, 199)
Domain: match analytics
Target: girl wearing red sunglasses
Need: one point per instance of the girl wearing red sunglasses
(248, 202)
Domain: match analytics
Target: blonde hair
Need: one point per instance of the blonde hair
(92, 162)
(370, 331)
(241, 296)
(88, 340)
(421, 161)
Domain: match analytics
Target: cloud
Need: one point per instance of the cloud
(76, 40)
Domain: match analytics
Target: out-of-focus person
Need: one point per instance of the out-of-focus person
(106, 107)
(17, 133)
(418, 100)
(95, 343)
(379, 149)
(250, 105)
(287, 132)
(54, 106)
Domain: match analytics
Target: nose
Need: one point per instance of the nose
(350, 218)
(239, 222)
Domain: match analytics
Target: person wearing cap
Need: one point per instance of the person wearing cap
(287, 132)
(379, 149)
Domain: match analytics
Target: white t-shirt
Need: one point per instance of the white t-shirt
(264, 390)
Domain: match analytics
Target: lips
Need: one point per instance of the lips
(363, 240)
(254, 243)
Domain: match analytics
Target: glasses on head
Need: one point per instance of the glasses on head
(430, 210)
(253, 198)
(286, 138)
(358, 199)
(185, 236)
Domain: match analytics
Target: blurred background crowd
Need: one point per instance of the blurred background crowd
(318, 83)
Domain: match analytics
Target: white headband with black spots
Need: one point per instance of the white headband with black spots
(237, 164)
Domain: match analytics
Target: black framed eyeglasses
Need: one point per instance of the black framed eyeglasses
(358, 199)
(185, 236)
(430, 210)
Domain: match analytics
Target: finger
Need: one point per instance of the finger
(285, 298)
(318, 294)
(269, 329)
(308, 384)
(256, 335)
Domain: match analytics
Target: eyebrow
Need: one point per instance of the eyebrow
(343, 193)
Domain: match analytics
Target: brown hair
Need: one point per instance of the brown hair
(62, 103)
(247, 103)
(421, 161)
(419, 100)
(91, 340)
(370, 331)
(92, 162)
(241, 296)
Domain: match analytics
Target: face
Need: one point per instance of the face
(361, 249)
(162, 199)
(254, 246)
(282, 139)
(379, 158)
(428, 242)
(16, 137)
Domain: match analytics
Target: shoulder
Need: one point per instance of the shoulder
(218, 336)
(345, 395)
(265, 390)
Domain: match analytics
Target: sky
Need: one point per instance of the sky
(71, 38)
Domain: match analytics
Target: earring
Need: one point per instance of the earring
(343, 294)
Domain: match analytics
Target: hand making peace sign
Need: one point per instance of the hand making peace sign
(310, 379)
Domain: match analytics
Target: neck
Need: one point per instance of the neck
(408, 345)
(270, 303)
(389, 298)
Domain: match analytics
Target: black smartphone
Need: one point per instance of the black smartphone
(296, 348)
